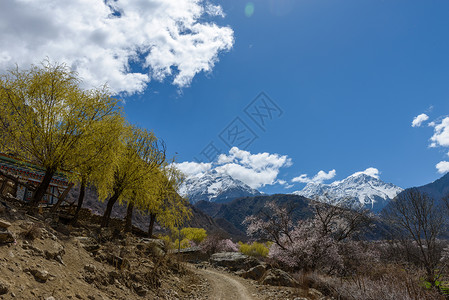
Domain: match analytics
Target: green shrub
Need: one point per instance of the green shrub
(255, 249)
(196, 235)
(185, 243)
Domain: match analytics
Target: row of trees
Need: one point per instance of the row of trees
(48, 119)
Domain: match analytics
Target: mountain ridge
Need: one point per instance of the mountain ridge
(215, 187)
(358, 188)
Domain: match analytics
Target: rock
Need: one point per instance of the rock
(55, 253)
(140, 290)
(314, 294)
(87, 243)
(6, 236)
(117, 261)
(254, 273)
(4, 287)
(4, 224)
(278, 277)
(50, 298)
(90, 268)
(233, 261)
(40, 275)
(33, 250)
(156, 246)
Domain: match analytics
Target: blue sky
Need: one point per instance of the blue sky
(348, 76)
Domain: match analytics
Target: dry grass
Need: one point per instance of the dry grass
(32, 232)
(392, 284)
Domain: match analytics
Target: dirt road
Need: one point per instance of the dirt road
(224, 286)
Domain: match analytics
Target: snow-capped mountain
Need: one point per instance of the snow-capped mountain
(357, 188)
(214, 187)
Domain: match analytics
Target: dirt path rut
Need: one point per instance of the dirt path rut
(224, 287)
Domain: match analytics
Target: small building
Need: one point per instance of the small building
(31, 175)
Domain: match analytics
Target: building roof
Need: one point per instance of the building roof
(29, 171)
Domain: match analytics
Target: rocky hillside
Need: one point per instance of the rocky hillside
(41, 258)
(45, 259)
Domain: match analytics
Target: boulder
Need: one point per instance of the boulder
(4, 224)
(88, 243)
(140, 290)
(156, 246)
(90, 268)
(254, 273)
(4, 287)
(315, 294)
(56, 252)
(6, 236)
(233, 261)
(40, 275)
(278, 277)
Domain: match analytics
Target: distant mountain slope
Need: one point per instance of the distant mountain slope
(215, 187)
(237, 210)
(437, 189)
(358, 188)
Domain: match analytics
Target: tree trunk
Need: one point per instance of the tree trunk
(129, 217)
(42, 188)
(108, 211)
(151, 227)
(61, 198)
(2, 188)
(80, 200)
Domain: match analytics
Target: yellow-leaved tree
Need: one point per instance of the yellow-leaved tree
(162, 202)
(48, 119)
(138, 154)
(96, 166)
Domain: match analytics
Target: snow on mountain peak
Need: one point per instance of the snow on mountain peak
(359, 187)
(215, 187)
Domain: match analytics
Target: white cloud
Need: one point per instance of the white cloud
(320, 177)
(191, 168)
(124, 43)
(257, 161)
(284, 183)
(442, 167)
(255, 170)
(369, 171)
(418, 120)
(440, 136)
(253, 178)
